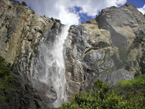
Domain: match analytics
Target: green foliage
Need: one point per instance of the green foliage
(136, 86)
(102, 97)
(137, 41)
(4, 70)
(24, 3)
(133, 91)
(99, 98)
(137, 73)
(124, 51)
(127, 85)
(69, 30)
(110, 69)
(143, 55)
(57, 20)
(9, 7)
(52, 18)
(54, 26)
(142, 63)
(5, 78)
(1, 59)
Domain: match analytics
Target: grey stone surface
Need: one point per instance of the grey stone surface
(91, 50)
(96, 45)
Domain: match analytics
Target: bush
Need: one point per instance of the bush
(52, 18)
(137, 41)
(136, 85)
(102, 97)
(4, 70)
(57, 20)
(1, 59)
(5, 78)
(9, 6)
(124, 85)
(54, 26)
(24, 3)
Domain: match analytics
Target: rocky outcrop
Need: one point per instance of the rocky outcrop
(20, 26)
(109, 47)
(21, 31)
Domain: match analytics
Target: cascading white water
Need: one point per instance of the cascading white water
(59, 76)
(48, 67)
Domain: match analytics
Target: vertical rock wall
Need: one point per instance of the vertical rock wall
(109, 48)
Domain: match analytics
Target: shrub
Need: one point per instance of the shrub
(8, 86)
(5, 78)
(4, 70)
(9, 6)
(102, 97)
(24, 3)
(57, 20)
(125, 85)
(137, 41)
(54, 26)
(52, 18)
(1, 59)
(136, 85)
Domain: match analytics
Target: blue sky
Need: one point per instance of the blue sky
(137, 3)
(77, 11)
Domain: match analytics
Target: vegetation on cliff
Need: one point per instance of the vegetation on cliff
(5, 80)
(132, 87)
(127, 94)
(12, 94)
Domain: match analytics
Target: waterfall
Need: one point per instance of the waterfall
(59, 76)
(48, 67)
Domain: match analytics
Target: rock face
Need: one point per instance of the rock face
(21, 31)
(109, 47)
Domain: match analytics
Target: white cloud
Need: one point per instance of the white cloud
(60, 8)
(92, 7)
(142, 10)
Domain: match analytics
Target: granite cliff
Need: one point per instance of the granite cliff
(109, 48)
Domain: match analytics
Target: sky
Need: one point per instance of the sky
(77, 11)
